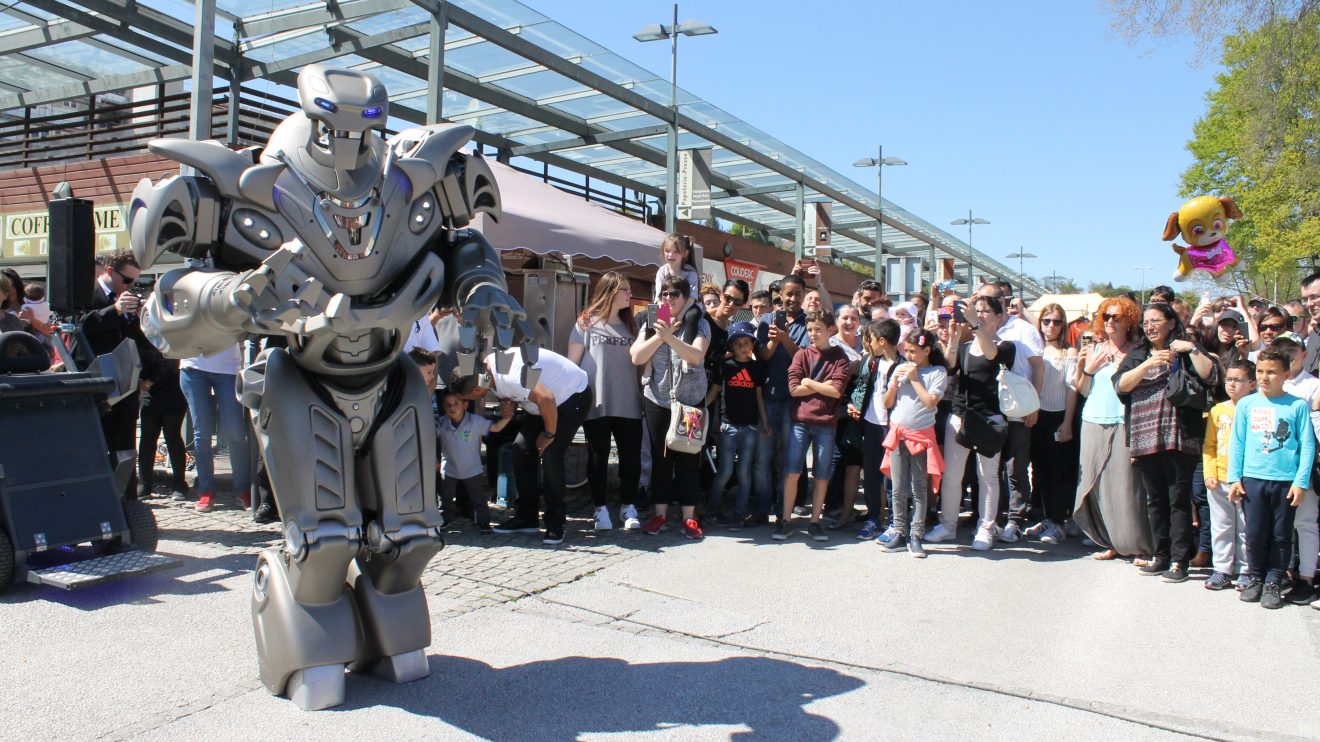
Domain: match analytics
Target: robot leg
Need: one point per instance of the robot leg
(302, 612)
(398, 485)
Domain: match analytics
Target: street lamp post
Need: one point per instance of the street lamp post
(1022, 274)
(659, 32)
(879, 162)
(1143, 269)
(971, 251)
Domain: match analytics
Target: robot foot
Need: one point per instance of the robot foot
(316, 688)
(402, 668)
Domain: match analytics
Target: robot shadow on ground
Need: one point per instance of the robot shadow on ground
(196, 576)
(569, 697)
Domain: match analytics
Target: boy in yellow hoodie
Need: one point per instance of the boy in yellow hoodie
(1228, 527)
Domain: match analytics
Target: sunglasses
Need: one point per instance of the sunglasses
(731, 299)
(1113, 317)
(672, 294)
(1049, 321)
(1272, 327)
(122, 277)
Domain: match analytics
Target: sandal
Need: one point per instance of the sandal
(1105, 555)
(1141, 562)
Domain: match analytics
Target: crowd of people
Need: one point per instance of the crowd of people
(1173, 435)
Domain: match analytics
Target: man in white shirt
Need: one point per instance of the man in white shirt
(1028, 362)
(555, 408)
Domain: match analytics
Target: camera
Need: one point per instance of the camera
(142, 286)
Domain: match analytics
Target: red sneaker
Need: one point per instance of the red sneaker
(692, 530)
(244, 498)
(655, 525)
(204, 502)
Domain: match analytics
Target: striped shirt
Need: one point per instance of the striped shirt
(1059, 367)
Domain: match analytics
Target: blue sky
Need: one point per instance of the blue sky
(1033, 114)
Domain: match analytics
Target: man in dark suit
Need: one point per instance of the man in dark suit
(114, 318)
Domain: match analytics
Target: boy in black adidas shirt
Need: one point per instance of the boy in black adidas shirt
(745, 430)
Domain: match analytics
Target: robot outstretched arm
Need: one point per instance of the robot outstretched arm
(478, 290)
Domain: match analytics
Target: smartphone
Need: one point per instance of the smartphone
(142, 286)
(662, 313)
(648, 317)
(947, 284)
(1087, 339)
(960, 312)
(781, 319)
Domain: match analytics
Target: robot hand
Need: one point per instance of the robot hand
(489, 307)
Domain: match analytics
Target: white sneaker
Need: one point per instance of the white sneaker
(939, 534)
(1011, 534)
(1039, 529)
(603, 522)
(630, 520)
(985, 538)
(1053, 535)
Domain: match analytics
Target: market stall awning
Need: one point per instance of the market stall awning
(545, 220)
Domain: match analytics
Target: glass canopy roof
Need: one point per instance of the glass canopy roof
(538, 88)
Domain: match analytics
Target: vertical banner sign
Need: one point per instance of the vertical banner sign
(816, 229)
(694, 167)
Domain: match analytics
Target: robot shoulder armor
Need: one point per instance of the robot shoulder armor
(219, 163)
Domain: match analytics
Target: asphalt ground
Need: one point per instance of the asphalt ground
(622, 635)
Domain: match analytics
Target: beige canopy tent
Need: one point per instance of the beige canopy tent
(1074, 305)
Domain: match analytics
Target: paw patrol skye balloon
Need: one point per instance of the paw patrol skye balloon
(1203, 222)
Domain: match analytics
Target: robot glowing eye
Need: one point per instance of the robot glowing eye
(372, 113)
(326, 105)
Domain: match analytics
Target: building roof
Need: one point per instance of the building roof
(530, 86)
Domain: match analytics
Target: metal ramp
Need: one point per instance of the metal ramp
(89, 572)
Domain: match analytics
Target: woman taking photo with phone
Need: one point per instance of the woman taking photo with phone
(600, 344)
(1111, 502)
(678, 373)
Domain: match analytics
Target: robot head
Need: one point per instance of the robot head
(344, 106)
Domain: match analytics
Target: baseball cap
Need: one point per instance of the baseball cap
(742, 330)
(946, 312)
(1230, 315)
(1289, 338)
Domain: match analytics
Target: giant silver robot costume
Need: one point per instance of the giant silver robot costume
(336, 241)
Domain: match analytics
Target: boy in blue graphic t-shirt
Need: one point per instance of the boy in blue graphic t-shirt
(1269, 469)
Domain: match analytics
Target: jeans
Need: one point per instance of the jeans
(1201, 503)
(874, 483)
(1269, 518)
(738, 442)
(1167, 476)
(674, 475)
(551, 461)
(910, 490)
(207, 391)
(820, 439)
(627, 434)
(956, 458)
(771, 467)
(1016, 458)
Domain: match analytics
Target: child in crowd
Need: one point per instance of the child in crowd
(742, 410)
(1269, 471)
(905, 314)
(676, 251)
(460, 464)
(913, 451)
(34, 299)
(816, 380)
(1305, 386)
(1228, 529)
(880, 338)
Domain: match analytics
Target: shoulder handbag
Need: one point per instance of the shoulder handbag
(1017, 395)
(977, 432)
(1185, 389)
(687, 424)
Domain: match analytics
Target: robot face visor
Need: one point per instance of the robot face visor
(346, 148)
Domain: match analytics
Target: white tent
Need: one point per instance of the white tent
(1074, 305)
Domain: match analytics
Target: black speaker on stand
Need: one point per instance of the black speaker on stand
(71, 261)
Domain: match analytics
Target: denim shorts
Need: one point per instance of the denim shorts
(821, 438)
